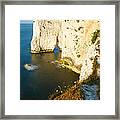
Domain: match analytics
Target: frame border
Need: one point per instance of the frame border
(55, 2)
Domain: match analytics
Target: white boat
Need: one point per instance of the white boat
(31, 67)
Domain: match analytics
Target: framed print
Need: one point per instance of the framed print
(59, 60)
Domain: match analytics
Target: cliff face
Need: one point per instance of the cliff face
(45, 34)
(79, 41)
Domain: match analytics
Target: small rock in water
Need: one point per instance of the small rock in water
(31, 67)
(52, 62)
(56, 90)
(61, 91)
(75, 82)
(59, 86)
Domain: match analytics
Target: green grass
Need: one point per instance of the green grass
(96, 34)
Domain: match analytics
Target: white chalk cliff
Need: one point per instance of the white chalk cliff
(79, 41)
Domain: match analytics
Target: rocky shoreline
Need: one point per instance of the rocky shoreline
(81, 88)
(76, 92)
(71, 93)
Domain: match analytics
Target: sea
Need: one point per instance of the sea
(39, 84)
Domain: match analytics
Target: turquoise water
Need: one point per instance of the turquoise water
(39, 84)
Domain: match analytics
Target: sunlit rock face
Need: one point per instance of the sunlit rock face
(45, 33)
(78, 43)
(78, 39)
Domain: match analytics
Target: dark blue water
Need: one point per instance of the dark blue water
(39, 84)
(90, 92)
